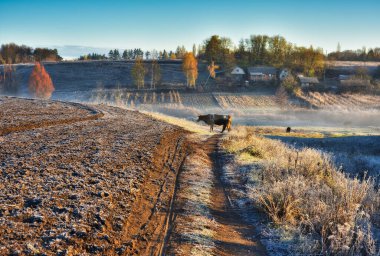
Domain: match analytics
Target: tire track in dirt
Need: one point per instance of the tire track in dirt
(150, 218)
(93, 114)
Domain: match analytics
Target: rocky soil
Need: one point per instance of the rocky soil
(84, 180)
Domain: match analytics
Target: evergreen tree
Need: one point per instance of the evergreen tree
(125, 55)
(116, 54)
(111, 55)
(147, 55)
(165, 55)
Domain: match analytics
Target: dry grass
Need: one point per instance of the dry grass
(244, 101)
(342, 101)
(303, 191)
(190, 126)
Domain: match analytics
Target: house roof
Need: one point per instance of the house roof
(238, 71)
(262, 70)
(346, 77)
(308, 80)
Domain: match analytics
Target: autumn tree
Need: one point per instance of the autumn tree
(40, 83)
(12, 53)
(212, 69)
(309, 61)
(173, 56)
(156, 74)
(259, 49)
(45, 54)
(279, 51)
(138, 73)
(190, 68)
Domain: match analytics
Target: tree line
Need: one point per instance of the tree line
(12, 53)
(364, 54)
(262, 50)
(137, 53)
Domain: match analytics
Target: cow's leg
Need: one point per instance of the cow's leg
(224, 127)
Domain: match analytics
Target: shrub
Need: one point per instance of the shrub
(40, 83)
(290, 84)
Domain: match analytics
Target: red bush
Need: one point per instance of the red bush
(40, 84)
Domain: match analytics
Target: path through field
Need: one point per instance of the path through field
(234, 235)
(205, 223)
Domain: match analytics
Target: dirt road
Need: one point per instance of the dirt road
(234, 235)
(205, 222)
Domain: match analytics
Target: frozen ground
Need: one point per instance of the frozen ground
(357, 155)
(70, 184)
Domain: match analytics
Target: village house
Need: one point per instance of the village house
(308, 81)
(262, 74)
(237, 74)
(284, 74)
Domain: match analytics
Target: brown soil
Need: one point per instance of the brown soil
(89, 186)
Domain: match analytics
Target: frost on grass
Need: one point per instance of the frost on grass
(313, 206)
(194, 228)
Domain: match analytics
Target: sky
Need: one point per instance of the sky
(77, 27)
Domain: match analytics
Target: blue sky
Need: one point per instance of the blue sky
(76, 27)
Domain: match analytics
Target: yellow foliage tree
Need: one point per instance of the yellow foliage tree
(138, 73)
(173, 56)
(190, 68)
(211, 69)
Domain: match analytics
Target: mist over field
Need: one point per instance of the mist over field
(100, 81)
